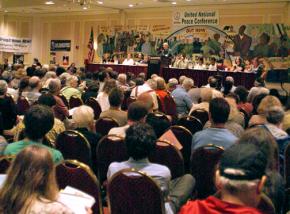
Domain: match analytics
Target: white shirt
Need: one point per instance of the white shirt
(199, 67)
(103, 100)
(145, 88)
(13, 92)
(128, 62)
(212, 67)
(120, 131)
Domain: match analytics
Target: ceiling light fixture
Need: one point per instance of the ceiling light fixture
(5, 11)
(100, 2)
(174, 3)
(131, 5)
(85, 8)
(49, 2)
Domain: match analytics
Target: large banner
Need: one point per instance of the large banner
(247, 41)
(15, 45)
(183, 18)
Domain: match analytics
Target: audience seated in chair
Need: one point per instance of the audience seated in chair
(161, 92)
(33, 92)
(60, 109)
(264, 141)
(71, 88)
(58, 126)
(217, 134)
(7, 108)
(149, 88)
(116, 97)
(83, 119)
(159, 122)
(140, 142)
(30, 186)
(38, 120)
(92, 90)
(266, 103)
(103, 96)
(240, 179)
(136, 113)
(206, 97)
(181, 98)
(242, 93)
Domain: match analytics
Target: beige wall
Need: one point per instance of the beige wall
(76, 27)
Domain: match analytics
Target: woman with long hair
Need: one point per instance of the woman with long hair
(103, 96)
(30, 186)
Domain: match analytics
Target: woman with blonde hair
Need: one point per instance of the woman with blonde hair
(30, 186)
(266, 103)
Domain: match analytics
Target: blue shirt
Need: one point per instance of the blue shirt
(216, 136)
(182, 100)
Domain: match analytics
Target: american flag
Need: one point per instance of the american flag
(91, 53)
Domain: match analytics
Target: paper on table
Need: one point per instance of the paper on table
(2, 179)
(169, 136)
(76, 200)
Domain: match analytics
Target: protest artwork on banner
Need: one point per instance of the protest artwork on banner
(183, 18)
(60, 45)
(15, 45)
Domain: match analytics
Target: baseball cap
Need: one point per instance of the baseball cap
(243, 162)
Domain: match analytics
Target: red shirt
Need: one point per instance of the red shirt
(248, 107)
(162, 94)
(213, 205)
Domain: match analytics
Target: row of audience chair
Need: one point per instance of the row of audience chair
(121, 188)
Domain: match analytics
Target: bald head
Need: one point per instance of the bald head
(147, 99)
(34, 82)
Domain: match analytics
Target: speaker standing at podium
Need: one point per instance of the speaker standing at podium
(166, 55)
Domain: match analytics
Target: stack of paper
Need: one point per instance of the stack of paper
(76, 200)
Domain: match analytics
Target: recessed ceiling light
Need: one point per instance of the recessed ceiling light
(131, 5)
(173, 2)
(188, 0)
(85, 8)
(49, 2)
(100, 2)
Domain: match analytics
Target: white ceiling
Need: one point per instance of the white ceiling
(39, 6)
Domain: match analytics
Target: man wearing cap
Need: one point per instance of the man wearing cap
(240, 179)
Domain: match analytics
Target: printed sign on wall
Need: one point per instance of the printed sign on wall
(189, 17)
(60, 45)
(15, 45)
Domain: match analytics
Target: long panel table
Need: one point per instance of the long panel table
(199, 76)
(135, 69)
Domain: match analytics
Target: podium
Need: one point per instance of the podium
(165, 61)
(154, 66)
